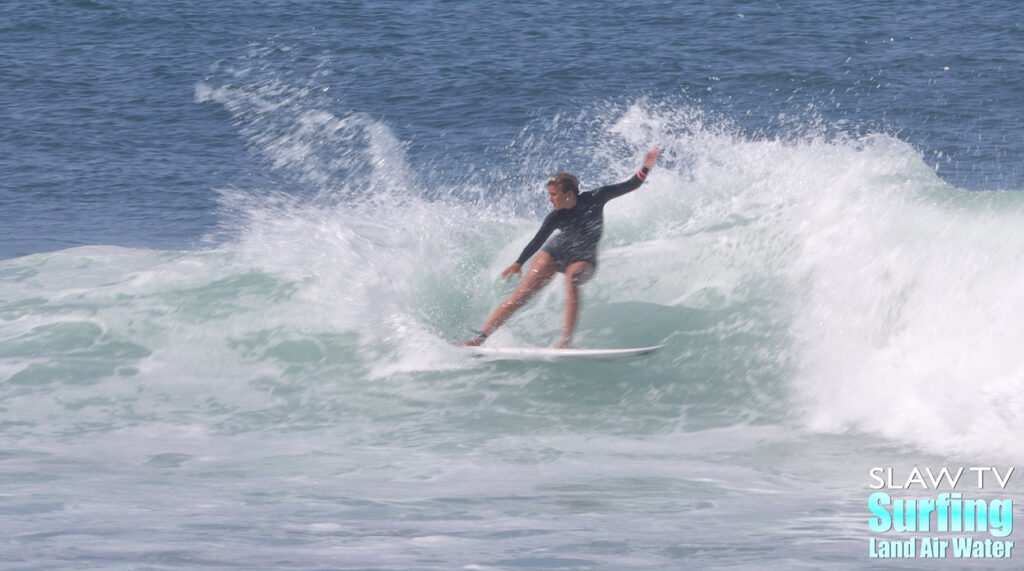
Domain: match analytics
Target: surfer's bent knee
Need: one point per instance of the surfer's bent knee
(580, 274)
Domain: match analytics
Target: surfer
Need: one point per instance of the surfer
(573, 252)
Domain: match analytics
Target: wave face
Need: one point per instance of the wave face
(833, 282)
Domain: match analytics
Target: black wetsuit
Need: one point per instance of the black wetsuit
(580, 227)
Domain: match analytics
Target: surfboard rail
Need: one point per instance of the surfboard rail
(554, 354)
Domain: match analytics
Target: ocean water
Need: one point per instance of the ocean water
(238, 242)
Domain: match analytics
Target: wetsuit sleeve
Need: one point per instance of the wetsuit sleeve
(606, 193)
(546, 228)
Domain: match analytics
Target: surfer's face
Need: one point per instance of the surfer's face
(560, 199)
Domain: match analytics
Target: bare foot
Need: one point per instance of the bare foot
(475, 341)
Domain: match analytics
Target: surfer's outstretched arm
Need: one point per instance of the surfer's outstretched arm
(606, 193)
(578, 264)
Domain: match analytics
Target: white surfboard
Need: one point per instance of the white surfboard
(552, 354)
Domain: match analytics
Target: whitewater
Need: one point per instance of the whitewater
(300, 381)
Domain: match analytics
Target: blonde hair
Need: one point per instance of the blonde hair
(565, 182)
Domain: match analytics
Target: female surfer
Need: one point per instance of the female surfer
(573, 252)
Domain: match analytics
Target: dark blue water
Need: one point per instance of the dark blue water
(104, 142)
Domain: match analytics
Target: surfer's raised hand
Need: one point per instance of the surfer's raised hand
(579, 217)
(516, 269)
(651, 156)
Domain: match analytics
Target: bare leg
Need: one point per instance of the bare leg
(577, 274)
(539, 274)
